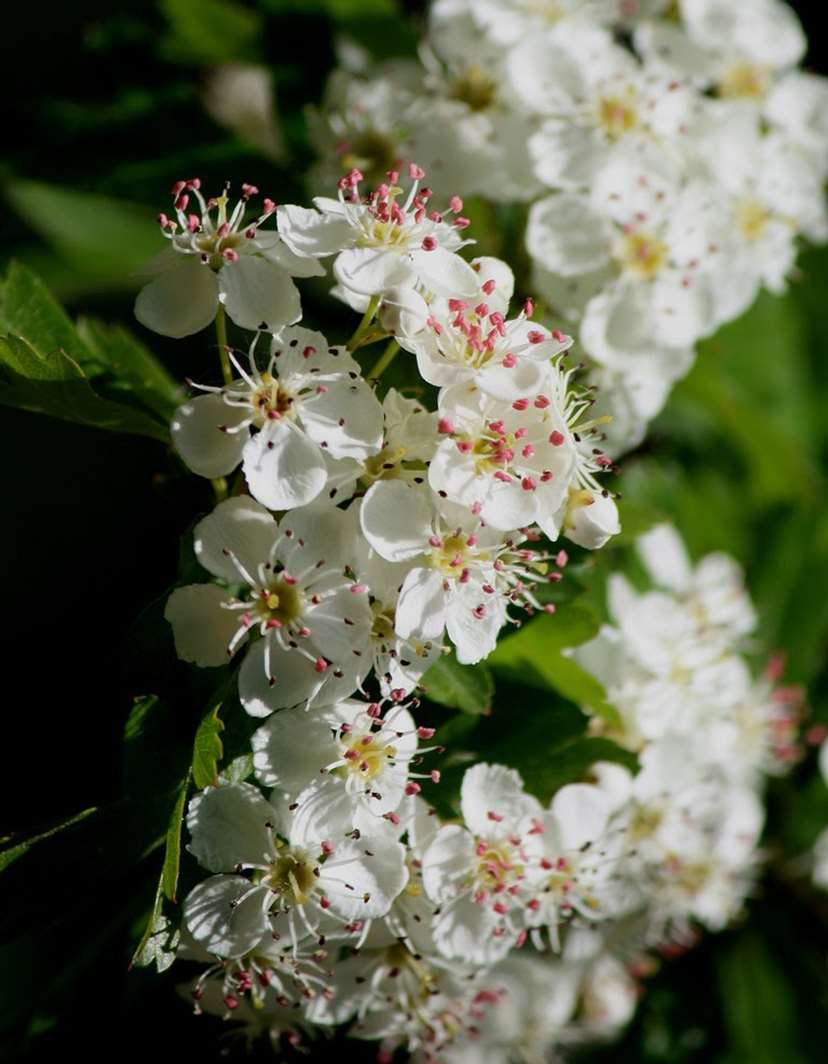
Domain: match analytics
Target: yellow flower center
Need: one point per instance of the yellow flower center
(384, 466)
(617, 115)
(752, 217)
(745, 80)
(271, 397)
(451, 557)
(642, 254)
(371, 152)
(366, 757)
(291, 877)
(383, 625)
(279, 601)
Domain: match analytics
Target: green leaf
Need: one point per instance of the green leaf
(207, 747)
(533, 656)
(9, 854)
(239, 769)
(172, 850)
(28, 309)
(103, 239)
(466, 687)
(211, 31)
(55, 385)
(160, 938)
(133, 365)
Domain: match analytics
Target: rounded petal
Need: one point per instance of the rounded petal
(396, 520)
(421, 607)
(444, 273)
(292, 746)
(179, 302)
(283, 467)
(370, 271)
(291, 679)
(447, 863)
(566, 236)
(493, 800)
(202, 627)
(228, 826)
(347, 417)
(581, 812)
(256, 293)
(309, 233)
(220, 922)
(237, 535)
(368, 876)
(198, 435)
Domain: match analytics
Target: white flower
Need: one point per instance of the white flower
(227, 260)
(305, 878)
(660, 238)
(471, 342)
(281, 421)
(591, 518)
(357, 758)
(735, 49)
(311, 618)
(512, 461)
(594, 95)
(509, 21)
(480, 874)
(462, 574)
(381, 244)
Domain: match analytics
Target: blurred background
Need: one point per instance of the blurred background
(107, 106)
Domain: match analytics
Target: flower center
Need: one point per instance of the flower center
(384, 466)
(451, 555)
(617, 115)
(271, 399)
(745, 80)
(383, 233)
(474, 87)
(291, 876)
(752, 217)
(642, 254)
(496, 869)
(280, 601)
(367, 756)
(382, 628)
(213, 247)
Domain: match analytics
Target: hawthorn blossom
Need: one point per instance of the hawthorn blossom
(305, 620)
(462, 574)
(226, 260)
(281, 422)
(381, 244)
(305, 879)
(359, 760)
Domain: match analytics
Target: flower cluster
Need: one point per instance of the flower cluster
(706, 733)
(354, 542)
(672, 154)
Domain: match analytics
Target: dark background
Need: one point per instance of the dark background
(91, 522)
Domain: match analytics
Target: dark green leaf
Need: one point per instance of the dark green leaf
(160, 939)
(239, 769)
(466, 687)
(133, 365)
(28, 309)
(54, 384)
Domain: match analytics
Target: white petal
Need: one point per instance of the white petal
(374, 867)
(665, 557)
(283, 468)
(444, 273)
(295, 680)
(370, 271)
(292, 746)
(198, 436)
(494, 802)
(202, 628)
(228, 825)
(421, 607)
(348, 417)
(396, 520)
(447, 863)
(309, 233)
(181, 301)
(474, 633)
(581, 812)
(256, 293)
(238, 528)
(566, 236)
(219, 923)
(465, 931)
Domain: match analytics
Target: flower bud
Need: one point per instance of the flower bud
(591, 518)
(403, 312)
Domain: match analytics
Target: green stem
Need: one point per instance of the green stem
(365, 324)
(221, 335)
(219, 488)
(384, 361)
